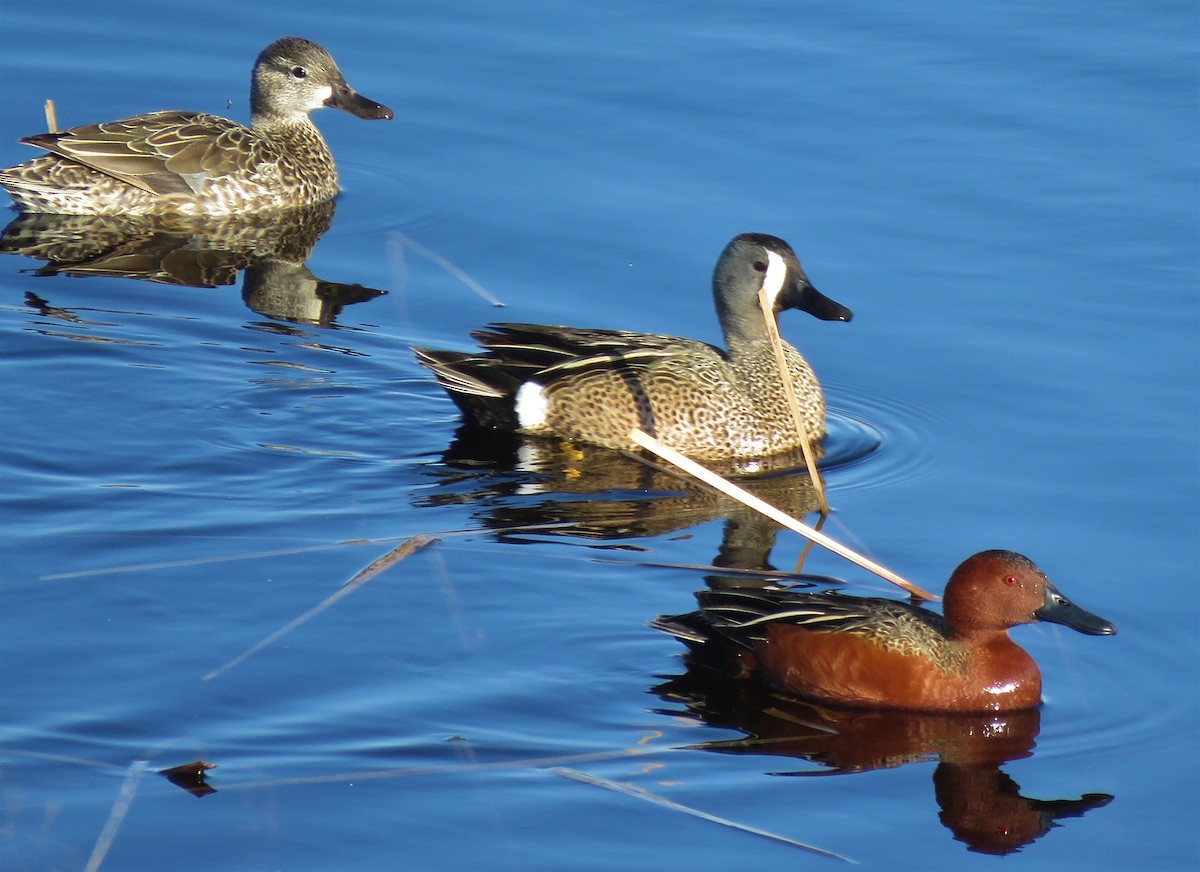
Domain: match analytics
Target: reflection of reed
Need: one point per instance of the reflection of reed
(979, 803)
(271, 248)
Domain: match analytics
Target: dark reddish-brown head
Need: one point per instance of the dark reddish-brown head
(995, 590)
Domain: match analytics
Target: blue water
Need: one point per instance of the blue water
(1004, 193)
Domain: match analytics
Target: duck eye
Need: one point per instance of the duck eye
(759, 266)
(299, 72)
(1010, 580)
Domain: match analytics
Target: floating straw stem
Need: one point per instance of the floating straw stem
(764, 508)
(51, 117)
(789, 391)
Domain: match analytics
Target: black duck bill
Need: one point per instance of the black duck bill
(799, 294)
(1057, 609)
(348, 100)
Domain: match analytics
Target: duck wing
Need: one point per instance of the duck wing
(167, 152)
(744, 615)
(552, 352)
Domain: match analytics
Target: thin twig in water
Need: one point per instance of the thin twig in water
(789, 391)
(404, 549)
(191, 561)
(409, 546)
(115, 817)
(403, 239)
(283, 552)
(764, 508)
(51, 116)
(639, 793)
(451, 769)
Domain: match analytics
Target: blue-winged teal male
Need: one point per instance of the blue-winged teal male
(596, 385)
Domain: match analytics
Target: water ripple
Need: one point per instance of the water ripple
(407, 204)
(878, 441)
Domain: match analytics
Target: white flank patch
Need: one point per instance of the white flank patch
(774, 277)
(530, 405)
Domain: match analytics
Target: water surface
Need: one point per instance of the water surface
(1006, 196)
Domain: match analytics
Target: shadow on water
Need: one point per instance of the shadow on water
(271, 250)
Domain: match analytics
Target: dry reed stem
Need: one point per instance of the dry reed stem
(409, 546)
(764, 508)
(51, 116)
(789, 390)
(639, 793)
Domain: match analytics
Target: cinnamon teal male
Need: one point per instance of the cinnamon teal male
(594, 386)
(192, 163)
(881, 653)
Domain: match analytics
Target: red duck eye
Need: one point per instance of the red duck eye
(1010, 580)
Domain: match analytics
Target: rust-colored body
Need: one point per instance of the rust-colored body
(883, 653)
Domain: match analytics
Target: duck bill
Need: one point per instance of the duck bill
(1057, 609)
(799, 294)
(348, 100)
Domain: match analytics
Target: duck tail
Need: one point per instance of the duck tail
(693, 628)
(483, 391)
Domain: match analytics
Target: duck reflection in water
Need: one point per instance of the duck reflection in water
(978, 802)
(522, 486)
(270, 248)
(519, 483)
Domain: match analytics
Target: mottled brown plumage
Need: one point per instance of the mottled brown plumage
(596, 385)
(191, 163)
